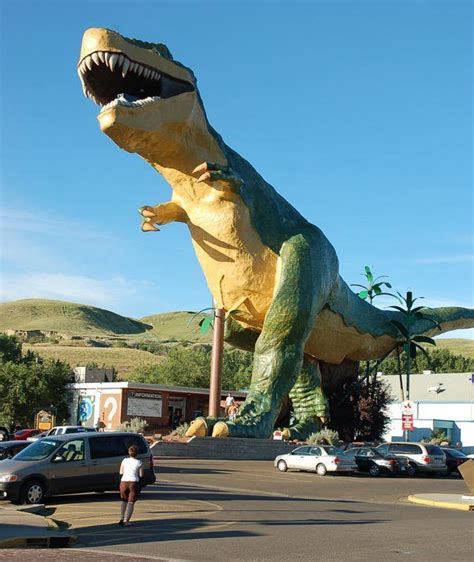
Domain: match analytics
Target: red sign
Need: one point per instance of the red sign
(407, 422)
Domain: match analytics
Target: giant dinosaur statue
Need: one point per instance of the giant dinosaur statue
(261, 258)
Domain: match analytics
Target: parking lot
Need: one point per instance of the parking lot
(247, 510)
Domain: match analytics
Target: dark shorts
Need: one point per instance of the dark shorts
(129, 491)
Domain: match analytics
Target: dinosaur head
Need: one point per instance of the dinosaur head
(149, 102)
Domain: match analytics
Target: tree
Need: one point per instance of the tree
(437, 360)
(374, 286)
(190, 366)
(361, 413)
(10, 348)
(406, 328)
(29, 384)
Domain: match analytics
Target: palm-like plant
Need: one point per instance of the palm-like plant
(373, 289)
(374, 286)
(406, 327)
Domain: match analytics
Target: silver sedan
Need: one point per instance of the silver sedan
(316, 458)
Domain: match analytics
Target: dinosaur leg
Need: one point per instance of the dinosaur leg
(238, 336)
(310, 406)
(161, 214)
(301, 293)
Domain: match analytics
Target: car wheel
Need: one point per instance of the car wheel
(282, 467)
(374, 470)
(321, 469)
(412, 470)
(32, 492)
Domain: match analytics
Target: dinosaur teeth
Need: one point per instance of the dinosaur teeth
(113, 59)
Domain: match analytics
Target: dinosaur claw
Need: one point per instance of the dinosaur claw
(147, 213)
(201, 168)
(205, 177)
(148, 227)
(220, 430)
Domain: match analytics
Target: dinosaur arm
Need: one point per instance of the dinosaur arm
(163, 213)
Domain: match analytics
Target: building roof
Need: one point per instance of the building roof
(145, 386)
(434, 387)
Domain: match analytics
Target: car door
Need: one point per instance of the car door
(362, 460)
(314, 458)
(68, 469)
(107, 453)
(299, 457)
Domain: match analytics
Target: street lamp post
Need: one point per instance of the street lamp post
(215, 387)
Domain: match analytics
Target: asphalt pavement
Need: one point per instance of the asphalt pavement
(246, 510)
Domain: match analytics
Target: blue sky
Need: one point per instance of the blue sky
(358, 113)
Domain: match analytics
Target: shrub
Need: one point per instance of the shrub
(437, 437)
(180, 431)
(135, 425)
(324, 437)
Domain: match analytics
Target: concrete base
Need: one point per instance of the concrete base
(23, 528)
(448, 501)
(224, 449)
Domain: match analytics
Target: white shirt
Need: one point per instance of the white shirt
(130, 469)
(229, 400)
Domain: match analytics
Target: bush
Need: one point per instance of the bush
(180, 431)
(324, 437)
(437, 437)
(135, 425)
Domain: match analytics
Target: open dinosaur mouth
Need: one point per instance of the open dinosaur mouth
(111, 79)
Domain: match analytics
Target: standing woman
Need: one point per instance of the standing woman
(131, 470)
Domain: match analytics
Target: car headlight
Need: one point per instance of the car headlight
(8, 477)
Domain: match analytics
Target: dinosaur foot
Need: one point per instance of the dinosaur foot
(211, 172)
(202, 427)
(149, 217)
(304, 428)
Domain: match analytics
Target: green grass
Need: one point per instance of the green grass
(122, 359)
(177, 325)
(65, 317)
(457, 346)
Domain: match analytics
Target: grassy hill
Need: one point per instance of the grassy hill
(457, 346)
(122, 359)
(117, 335)
(177, 325)
(65, 317)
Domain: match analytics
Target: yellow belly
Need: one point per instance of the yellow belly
(240, 270)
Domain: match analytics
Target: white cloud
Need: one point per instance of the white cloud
(36, 222)
(115, 293)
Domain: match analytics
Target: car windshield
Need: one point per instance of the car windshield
(433, 450)
(333, 450)
(38, 450)
(455, 453)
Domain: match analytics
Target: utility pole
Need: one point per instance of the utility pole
(215, 386)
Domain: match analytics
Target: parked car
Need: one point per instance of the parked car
(422, 457)
(9, 449)
(454, 458)
(23, 434)
(37, 436)
(369, 459)
(316, 458)
(71, 463)
(61, 430)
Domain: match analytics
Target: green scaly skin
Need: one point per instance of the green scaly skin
(308, 286)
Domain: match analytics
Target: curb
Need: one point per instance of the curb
(441, 504)
(50, 536)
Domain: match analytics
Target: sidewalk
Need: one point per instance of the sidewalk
(25, 527)
(448, 501)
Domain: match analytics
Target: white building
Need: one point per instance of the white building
(440, 401)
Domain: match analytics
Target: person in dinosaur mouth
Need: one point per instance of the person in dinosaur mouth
(276, 273)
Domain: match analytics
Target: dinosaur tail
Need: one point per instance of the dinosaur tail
(449, 318)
